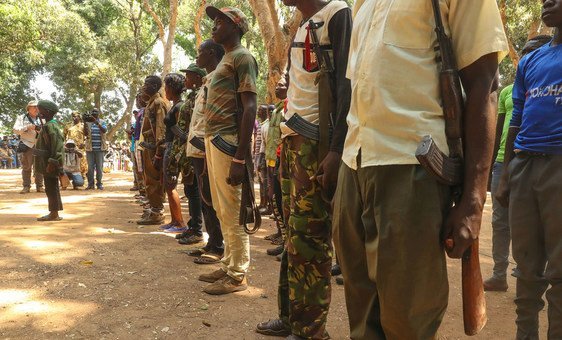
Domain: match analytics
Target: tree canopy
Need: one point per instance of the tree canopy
(97, 52)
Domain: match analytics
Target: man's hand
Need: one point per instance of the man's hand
(51, 168)
(157, 162)
(462, 227)
(236, 174)
(327, 174)
(502, 191)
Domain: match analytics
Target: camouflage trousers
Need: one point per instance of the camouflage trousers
(304, 281)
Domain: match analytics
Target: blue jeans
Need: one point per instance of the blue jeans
(76, 179)
(500, 228)
(95, 161)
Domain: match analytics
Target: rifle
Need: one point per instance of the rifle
(198, 143)
(448, 170)
(249, 213)
(325, 91)
(324, 80)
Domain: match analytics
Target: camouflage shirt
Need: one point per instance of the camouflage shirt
(274, 133)
(76, 133)
(236, 73)
(178, 157)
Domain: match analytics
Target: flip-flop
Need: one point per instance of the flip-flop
(48, 218)
(209, 258)
(196, 252)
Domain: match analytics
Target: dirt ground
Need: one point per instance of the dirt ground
(97, 275)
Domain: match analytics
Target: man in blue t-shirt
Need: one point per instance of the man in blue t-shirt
(533, 182)
(500, 226)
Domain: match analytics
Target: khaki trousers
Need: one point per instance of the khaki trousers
(153, 185)
(226, 201)
(535, 217)
(26, 159)
(386, 228)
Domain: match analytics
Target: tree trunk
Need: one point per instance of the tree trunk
(167, 42)
(126, 118)
(97, 96)
(513, 55)
(197, 22)
(276, 40)
(168, 47)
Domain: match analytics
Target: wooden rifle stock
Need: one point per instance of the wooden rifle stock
(473, 300)
(449, 170)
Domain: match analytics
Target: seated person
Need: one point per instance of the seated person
(71, 167)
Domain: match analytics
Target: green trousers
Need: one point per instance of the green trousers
(304, 280)
(387, 223)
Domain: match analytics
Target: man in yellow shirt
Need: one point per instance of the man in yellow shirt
(388, 211)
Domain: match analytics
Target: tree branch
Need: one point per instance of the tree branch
(157, 20)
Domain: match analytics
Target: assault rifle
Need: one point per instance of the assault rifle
(249, 213)
(179, 133)
(449, 171)
(324, 80)
(198, 143)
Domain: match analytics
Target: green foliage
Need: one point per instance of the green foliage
(96, 52)
(521, 16)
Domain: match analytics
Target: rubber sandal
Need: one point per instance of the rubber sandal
(209, 258)
(48, 218)
(196, 252)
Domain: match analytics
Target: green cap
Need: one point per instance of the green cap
(48, 105)
(193, 68)
(234, 14)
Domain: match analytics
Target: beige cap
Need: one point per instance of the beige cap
(31, 103)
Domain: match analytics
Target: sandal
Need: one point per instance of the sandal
(208, 258)
(196, 252)
(49, 218)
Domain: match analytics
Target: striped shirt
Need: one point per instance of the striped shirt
(96, 137)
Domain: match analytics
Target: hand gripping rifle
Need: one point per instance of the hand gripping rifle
(449, 170)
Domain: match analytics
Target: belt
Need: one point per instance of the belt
(532, 154)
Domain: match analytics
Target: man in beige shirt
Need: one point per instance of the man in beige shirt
(389, 212)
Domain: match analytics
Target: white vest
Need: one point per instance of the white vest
(303, 92)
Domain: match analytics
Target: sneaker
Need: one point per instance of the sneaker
(175, 229)
(134, 189)
(185, 234)
(275, 251)
(265, 211)
(167, 225)
(336, 270)
(40, 189)
(339, 281)
(213, 277)
(25, 190)
(151, 218)
(193, 239)
(90, 187)
(495, 285)
(271, 237)
(226, 285)
(277, 240)
(274, 327)
(100, 187)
